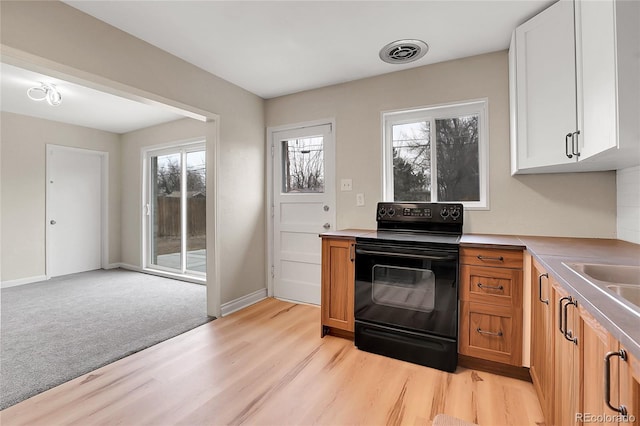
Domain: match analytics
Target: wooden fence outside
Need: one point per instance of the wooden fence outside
(168, 215)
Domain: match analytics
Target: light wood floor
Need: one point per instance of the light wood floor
(267, 365)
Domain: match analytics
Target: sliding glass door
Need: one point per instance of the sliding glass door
(176, 210)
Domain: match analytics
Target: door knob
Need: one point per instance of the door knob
(326, 225)
(53, 222)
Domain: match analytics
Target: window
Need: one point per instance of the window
(437, 154)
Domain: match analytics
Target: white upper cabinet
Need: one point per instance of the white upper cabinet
(545, 87)
(575, 88)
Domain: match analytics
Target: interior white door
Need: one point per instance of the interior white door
(303, 207)
(74, 186)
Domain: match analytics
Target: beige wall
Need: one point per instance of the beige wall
(132, 145)
(580, 205)
(23, 145)
(86, 48)
(242, 240)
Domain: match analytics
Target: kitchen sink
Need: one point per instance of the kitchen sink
(619, 281)
(629, 292)
(618, 274)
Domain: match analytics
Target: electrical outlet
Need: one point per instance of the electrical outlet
(359, 200)
(346, 185)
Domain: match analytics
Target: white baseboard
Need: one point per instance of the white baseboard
(114, 266)
(22, 281)
(243, 302)
(126, 266)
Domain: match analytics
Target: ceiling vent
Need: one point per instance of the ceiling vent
(403, 51)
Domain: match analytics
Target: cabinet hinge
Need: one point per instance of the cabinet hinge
(273, 211)
(273, 271)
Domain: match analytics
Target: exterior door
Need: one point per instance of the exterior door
(74, 191)
(176, 209)
(303, 207)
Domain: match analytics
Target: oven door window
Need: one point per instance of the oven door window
(406, 288)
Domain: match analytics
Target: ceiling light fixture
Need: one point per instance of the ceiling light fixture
(45, 91)
(403, 51)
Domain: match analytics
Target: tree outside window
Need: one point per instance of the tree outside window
(436, 155)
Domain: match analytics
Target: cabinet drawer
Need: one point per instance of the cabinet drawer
(500, 286)
(491, 257)
(490, 332)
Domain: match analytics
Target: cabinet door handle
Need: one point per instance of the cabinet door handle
(568, 334)
(574, 143)
(545, 301)
(352, 252)
(490, 287)
(566, 146)
(496, 258)
(560, 312)
(489, 333)
(607, 380)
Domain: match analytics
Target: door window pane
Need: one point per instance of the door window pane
(166, 242)
(458, 164)
(196, 211)
(303, 165)
(412, 161)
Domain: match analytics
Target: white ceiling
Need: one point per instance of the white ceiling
(80, 106)
(274, 48)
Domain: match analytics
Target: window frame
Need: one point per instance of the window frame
(431, 114)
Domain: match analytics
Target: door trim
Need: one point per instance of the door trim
(269, 157)
(104, 203)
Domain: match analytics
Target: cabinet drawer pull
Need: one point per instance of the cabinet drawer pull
(496, 258)
(489, 333)
(545, 301)
(490, 287)
(607, 380)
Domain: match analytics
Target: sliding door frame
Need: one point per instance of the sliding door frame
(183, 148)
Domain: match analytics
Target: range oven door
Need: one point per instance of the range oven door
(414, 289)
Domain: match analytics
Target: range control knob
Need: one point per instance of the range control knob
(391, 211)
(382, 211)
(455, 214)
(444, 213)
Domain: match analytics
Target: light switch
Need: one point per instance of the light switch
(359, 200)
(346, 185)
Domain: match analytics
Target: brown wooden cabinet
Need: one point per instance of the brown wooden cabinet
(338, 285)
(541, 360)
(629, 386)
(491, 304)
(589, 368)
(567, 373)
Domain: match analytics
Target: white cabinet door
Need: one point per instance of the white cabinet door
(545, 89)
(596, 76)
